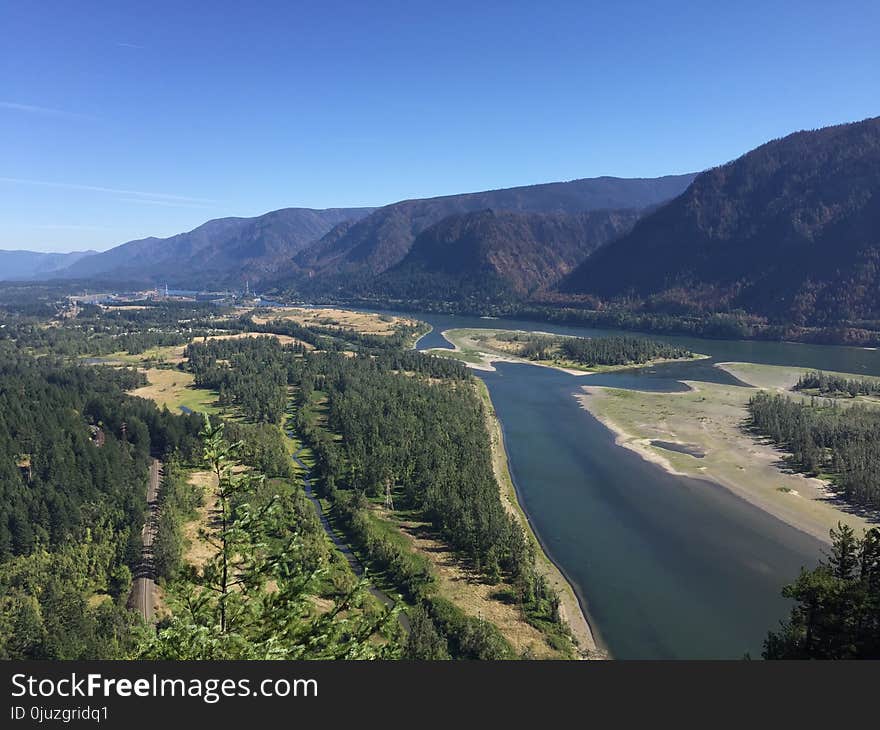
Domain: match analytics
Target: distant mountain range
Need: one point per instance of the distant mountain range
(221, 252)
(790, 230)
(341, 250)
(16, 265)
(382, 240)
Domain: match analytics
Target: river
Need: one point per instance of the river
(666, 566)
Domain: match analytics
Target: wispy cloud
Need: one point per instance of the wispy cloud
(128, 45)
(43, 110)
(66, 227)
(115, 191)
(165, 203)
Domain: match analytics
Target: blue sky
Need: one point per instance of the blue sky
(121, 120)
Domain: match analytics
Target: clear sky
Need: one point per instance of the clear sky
(125, 119)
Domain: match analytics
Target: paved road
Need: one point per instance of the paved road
(342, 546)
(143, 588)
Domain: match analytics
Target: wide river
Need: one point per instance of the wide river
(665, 566)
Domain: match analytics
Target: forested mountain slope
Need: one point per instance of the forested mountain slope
(75, 452)
(220, 252)
(354, 252)
(790, 230)
(496, 254)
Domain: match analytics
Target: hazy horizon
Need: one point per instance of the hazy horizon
(96, 249)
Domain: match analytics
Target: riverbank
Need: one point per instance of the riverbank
(479, 349)
(700, 433)
(570, 607)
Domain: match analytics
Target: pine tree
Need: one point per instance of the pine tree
(253, 599)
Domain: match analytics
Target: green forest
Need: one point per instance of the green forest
(837, 605)
(825, 438)
(72, 502)
(836, 386)
(381, 421)
(390, 435)
(393, 424)
(592, 351)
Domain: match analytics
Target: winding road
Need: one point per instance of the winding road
(340, 544)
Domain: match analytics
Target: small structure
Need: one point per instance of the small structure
(25, 467)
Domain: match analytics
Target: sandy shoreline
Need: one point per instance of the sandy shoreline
(486, 358)
(570, 607)
(734, 460)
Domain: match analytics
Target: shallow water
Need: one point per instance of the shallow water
(694, 451)
(667, 566)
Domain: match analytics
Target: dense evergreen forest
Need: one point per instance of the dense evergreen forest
(383, 421)
(837, 605)
(825, 438)
(837, 385)
(394, 423)
(76, 453)
(593, 351)
(72, 502)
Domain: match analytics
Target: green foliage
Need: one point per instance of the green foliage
(424, 641)
(386, 549)
(262, 446)
(825, 438)
(253, 599)
(250, 374)
(177, 502)
(77, 450)
(52, 604)
(468, 637)
(837, 605)
(427, 440)
(837, 385)
(594, 351)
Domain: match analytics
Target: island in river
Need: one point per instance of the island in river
(702, 432)
(666, 565)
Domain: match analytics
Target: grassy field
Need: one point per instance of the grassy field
(711, 420)
(174, 388)
(170, 355)
(471, 356)
(367, 323)
(283, 339)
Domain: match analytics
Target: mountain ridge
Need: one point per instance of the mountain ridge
(219, 251)
(21, 264)
(789, 230)
(506, 254)
(382, 239)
